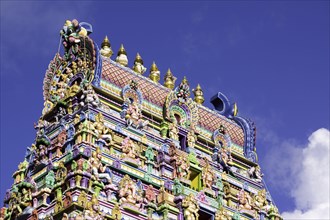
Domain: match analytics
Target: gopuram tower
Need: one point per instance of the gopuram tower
(112, 143)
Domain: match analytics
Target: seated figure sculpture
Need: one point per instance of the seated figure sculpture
(129, 149)
(134, 116)
(260, 200)
(127, 190)
(98, 169)
(89, 96)
(244, 200)
(255, 173)
(101, 130)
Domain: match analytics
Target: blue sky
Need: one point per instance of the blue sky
(272, 58)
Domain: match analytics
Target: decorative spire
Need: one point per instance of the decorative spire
(106, 48)
(185, 81)
(138, 64)
(122, 56)
(154, 72)
(199, 97)
(169, 79)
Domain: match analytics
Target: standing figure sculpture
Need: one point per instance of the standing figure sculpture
(191, 208)
(208, 175)
(182, 167)
(192, 138)
(174, 131)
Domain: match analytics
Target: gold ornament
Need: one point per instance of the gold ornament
(154, 72)
(199, 97)
(169, 80)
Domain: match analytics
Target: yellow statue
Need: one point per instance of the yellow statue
(222, 214)
(174, 131)
(260, 200)
(191, 208)
(191, 138)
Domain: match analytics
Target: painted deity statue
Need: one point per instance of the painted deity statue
(74, 89)
(129, 149)
(174, 131)
(62, 89)
(244, 200)
(14, 207)
(255, 173)
(93, 211)
(223, 156)
(260, 200)
(71, 33)
(127, 190)
(191, 208)
(183, 91)
(134, 116)
(222, 214)
(192, 138)
(182, 167)
(89, 96)
(208, 175)
(101, 130)
(98, 169)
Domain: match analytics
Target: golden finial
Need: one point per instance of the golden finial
(169, 79)
(154, 72)
(138, 58)
(199, 97)
(138, 64)
(106, 42)
(122, 56)
(121, 50)
(106, 48)
(185, 81)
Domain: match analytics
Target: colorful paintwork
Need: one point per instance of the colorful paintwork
(113, 144)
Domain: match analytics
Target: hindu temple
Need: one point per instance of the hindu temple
(113, 142)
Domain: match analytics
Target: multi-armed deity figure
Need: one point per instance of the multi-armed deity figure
(134, 116)
(208, 175)
(191, 208)
(101, 130)
(127, 191)
(244, 200)
(98, 169)
(89, 96)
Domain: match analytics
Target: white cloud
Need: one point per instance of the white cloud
(310, 188)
